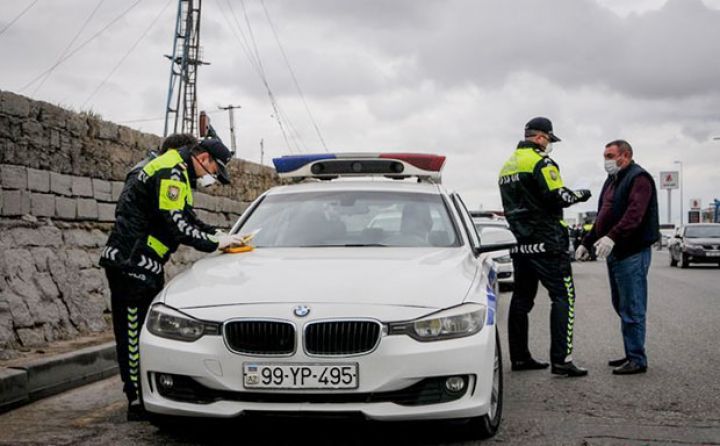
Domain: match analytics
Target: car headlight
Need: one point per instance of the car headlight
(170, 323)
(457, 322)
(503, 259)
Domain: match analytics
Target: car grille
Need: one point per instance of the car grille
(260, 337)
(341, 337)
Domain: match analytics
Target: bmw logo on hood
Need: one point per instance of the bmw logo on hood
(301, 310)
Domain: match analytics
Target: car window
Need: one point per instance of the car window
(702, 231)
(355, 218)
(490, 235)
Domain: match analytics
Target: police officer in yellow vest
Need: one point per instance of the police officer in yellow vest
(533, 197)
(152, 218)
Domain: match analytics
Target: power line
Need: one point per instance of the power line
(283, 115)
(69, 45)
(292, 74)
(81, 46)
(257, 66)
(17, 17)
(122, 59)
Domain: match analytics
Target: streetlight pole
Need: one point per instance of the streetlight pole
(682, 180)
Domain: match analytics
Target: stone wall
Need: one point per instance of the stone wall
(60, 175)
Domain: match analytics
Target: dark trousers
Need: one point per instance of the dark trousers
(553, 271)
(628, 288)
(130, 299)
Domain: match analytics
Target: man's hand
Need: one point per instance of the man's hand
(604, 246)
(225, 240)
(582, 254)
(583, 195)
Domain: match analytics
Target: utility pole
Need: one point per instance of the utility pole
(230, 109)
(262, 151)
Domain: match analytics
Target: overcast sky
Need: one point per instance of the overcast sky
(455, 77)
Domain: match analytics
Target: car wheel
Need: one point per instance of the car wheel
(487, 425)
(684, 263)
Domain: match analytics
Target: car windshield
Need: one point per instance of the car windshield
(702, 231)
(351, 218)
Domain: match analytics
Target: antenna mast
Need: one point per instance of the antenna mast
(181, 105)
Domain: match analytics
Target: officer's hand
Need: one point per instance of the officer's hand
(604, 246)
(225, 240)
(583, 194)
(582, 254)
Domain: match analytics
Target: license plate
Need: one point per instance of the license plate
(713, 254)
(300, 376)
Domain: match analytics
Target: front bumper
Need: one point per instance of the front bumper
(402, 379)
(700, 255)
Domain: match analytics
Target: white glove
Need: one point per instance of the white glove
(225, 240)
(582, 253)
(604, 246)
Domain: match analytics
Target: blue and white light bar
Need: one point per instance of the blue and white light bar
(333, 165)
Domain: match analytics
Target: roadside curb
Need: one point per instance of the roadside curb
(40, 378)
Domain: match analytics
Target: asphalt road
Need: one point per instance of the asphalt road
(676, 402)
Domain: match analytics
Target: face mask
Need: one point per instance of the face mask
(611, 167)
(548, 148)
(206, 180)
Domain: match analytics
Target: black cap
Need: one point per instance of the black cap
(544, 125)
(221, 154)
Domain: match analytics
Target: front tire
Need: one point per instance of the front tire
(684, 262)
(487, 425)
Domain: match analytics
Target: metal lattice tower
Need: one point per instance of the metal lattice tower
(181, 107)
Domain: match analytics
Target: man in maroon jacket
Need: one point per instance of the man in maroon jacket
(626, 227)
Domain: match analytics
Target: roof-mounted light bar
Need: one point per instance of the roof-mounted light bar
(391, 165)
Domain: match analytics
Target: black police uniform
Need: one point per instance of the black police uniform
(153, 217)
(533, 197)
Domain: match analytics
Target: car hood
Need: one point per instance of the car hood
(420, 277)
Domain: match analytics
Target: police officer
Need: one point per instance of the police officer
(153, 216)
(533, 197)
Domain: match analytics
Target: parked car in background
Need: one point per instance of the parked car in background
(494, 229)
(667, 232)
(695, 243)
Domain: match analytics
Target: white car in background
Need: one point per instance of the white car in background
(333, 310)
(495, 230)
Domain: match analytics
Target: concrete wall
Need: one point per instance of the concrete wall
(60, 175)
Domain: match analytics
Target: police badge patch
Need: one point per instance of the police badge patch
(173, 193)
(553, 175)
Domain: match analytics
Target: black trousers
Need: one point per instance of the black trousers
(130, 299)
(554, 272)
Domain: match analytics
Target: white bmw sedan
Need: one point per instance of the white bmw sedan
(329, 313)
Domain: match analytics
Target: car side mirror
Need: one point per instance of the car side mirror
(493, 247)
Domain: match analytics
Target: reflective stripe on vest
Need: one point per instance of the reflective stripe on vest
(157, 246)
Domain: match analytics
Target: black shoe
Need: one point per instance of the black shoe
(529, 364)
(136, 411)
(629, 368)
(617, 362)
(568, 369)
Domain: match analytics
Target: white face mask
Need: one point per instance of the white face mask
(548, 148)
(611, 167)
(206, 180)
